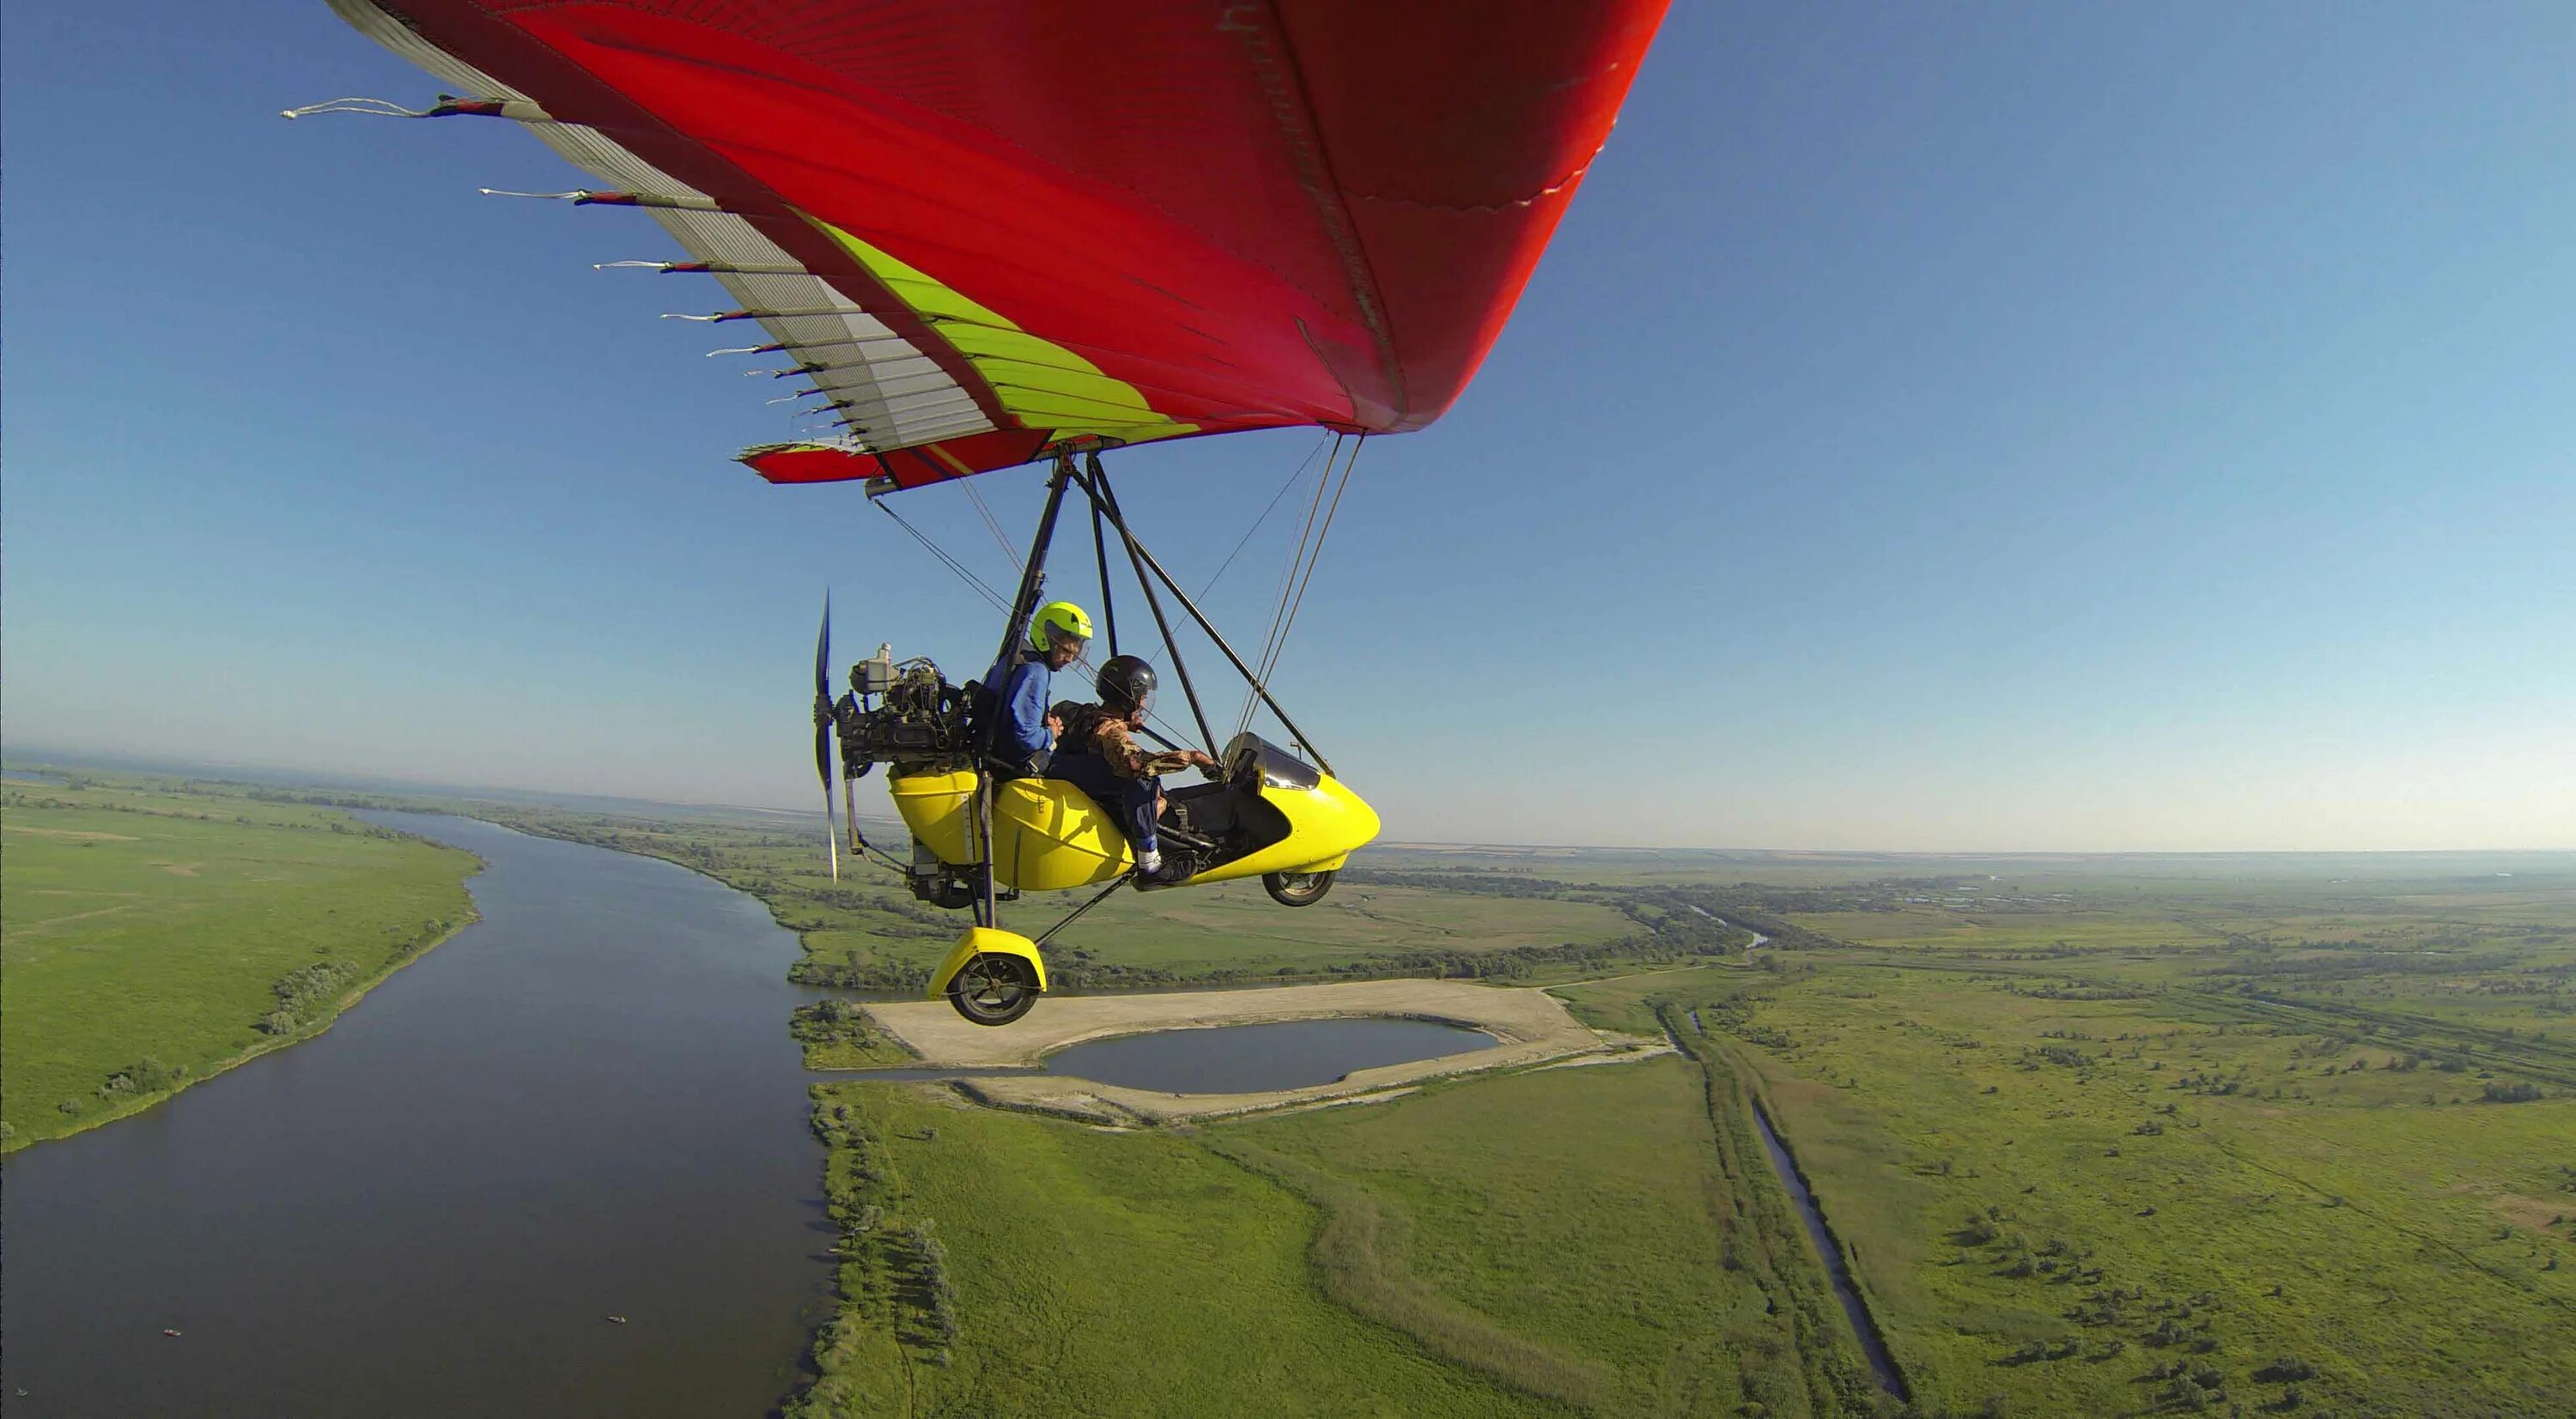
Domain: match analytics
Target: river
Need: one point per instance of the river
(1890, 1378)
(1864, 1326)
(1757, 943)
(585, 1105)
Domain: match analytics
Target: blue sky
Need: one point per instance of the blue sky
(1935, 427)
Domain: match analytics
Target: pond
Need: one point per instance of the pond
(587, 1105)
(1235, 1059)
(1243, 1059)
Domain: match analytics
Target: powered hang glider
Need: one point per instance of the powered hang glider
(989, 233)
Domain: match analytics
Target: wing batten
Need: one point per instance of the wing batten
(991, 229)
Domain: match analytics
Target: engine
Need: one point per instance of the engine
(907, 715)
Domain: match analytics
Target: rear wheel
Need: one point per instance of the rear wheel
(993, 988)
(1296, 889)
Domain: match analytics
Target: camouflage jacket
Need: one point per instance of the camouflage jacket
(1089, 729)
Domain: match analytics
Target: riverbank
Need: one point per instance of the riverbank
(1528, 1026)
(461, 1167)
(158, 936)
(267, 1045)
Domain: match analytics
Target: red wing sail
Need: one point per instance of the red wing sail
(984, 229)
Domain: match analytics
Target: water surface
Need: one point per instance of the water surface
(585, 1105)
(1242, 1059)
(1890, 1378)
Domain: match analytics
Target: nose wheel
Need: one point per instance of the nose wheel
(994, 989)
(1296, 889)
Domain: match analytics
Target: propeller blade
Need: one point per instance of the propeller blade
(823, 733)
(823, 651)
(823, 703)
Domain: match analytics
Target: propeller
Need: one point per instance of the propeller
(823, 733)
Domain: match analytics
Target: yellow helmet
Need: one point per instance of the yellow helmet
(1058, 618)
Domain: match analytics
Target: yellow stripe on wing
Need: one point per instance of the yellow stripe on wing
(1050, 386)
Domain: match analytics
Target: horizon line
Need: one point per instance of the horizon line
(360, 782)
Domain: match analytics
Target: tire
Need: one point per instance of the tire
(1297, 889)
(993, 988)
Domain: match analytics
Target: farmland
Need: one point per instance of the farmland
(2093, 1135)
(2139, 1143)
(160, 932)
(1002, 1264)
(2122, 1138)
(1558, 1241)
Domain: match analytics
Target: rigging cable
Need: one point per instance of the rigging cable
(1288, 574)
(973, 581)
(1349, 466)
(994, 526)
(1172, 735)
(1307, 462)
(1287, 617)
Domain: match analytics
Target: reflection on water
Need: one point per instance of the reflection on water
(1239, 1059)
(586, 1105)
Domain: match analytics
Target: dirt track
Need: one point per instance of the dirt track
(1531, 1026)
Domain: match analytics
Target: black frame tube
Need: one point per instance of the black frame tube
(1024, 606)
(1097, 486)
(1072, 916)
(1100, 554)
(1033, 571)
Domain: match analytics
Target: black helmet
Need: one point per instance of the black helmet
(1125, 682)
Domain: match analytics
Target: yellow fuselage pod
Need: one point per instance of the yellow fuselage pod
(1049, 835)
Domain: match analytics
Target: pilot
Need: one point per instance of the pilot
(1097, 753)
(1020, 682)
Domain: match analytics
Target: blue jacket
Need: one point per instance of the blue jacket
(1020, 686)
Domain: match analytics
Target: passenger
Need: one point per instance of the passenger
(1097, 753)
(1023, 731)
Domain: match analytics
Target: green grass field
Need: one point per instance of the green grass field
(153, 937)
(1592, 1217)
(1084, 1272)
(2095, 1135)
(2405, 1249)
(2172, 1144)
(1559, 1241)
